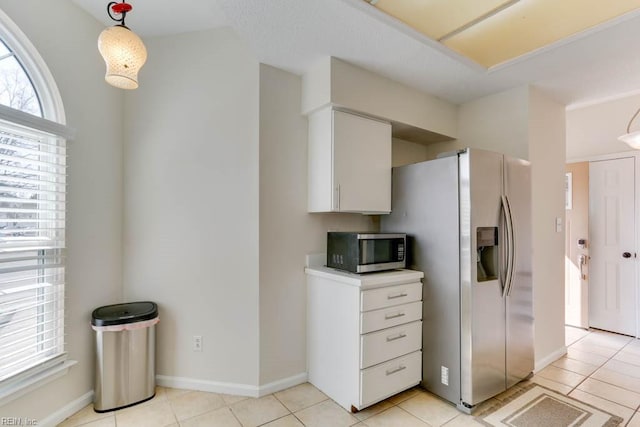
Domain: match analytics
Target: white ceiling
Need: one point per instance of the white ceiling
(151, 18)
(599, 64)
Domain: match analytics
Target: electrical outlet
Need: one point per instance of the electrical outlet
(197, 343)
(444, 375)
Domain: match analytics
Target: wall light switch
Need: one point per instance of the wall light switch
(558, 225)
(197, 343)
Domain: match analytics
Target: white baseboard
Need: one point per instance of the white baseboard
(66, 411)
(184, 383)
(230, 388)
(204, 385)
(282, 384)
(549, 359)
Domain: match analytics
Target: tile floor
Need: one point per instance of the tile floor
(600, 368)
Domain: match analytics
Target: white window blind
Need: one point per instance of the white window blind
(32, 244)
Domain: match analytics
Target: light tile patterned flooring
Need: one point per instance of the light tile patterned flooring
(601, 368)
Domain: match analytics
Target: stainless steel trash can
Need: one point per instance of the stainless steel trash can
(125, 354)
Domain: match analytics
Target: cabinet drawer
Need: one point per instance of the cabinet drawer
(390, 343)
(389, 378)
(387, 317)
(391, 295)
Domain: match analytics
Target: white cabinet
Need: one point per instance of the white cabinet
(349, 163)
(364, 334)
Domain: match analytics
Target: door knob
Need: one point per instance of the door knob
(626, 255)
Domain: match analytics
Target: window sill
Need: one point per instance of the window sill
(34, 382)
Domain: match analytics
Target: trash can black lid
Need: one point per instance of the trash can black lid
(118, 314)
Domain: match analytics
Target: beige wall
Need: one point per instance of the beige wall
(94, 201)
(287, 231)
(577, 227)
(191, 205)
(577, 217)
(546, 135)
(496, 122)
(406, 152)
(345, 85)
(594, 129)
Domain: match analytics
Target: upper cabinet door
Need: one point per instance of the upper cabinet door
(362, 163)
(349, 163)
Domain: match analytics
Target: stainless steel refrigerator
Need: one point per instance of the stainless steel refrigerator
(468, 221)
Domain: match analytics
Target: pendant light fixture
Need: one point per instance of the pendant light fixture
(632, 138)
(122, 50)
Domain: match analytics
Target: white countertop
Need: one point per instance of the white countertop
(367, 280)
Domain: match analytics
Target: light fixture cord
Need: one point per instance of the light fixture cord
(631, 121)
(124, 14)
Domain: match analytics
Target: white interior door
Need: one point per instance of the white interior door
(612, 289)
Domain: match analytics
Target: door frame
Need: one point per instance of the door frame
(636, 156)
(573, 279)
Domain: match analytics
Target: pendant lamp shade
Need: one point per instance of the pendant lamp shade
(632, 139)
(124, 53)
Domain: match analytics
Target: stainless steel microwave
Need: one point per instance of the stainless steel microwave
(366, 252)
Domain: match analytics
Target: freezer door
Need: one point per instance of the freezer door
(519, 298)
(425, 206)
(482, 310)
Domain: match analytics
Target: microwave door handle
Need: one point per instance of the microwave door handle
(363, 246)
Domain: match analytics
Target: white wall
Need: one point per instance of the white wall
(496, 122)
(407, 152)
(594, 130)
(66, 38)
(287, 231)
(191, 204)
(345, 85)
(547, 156)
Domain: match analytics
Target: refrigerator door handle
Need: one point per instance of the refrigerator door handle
(510, 243)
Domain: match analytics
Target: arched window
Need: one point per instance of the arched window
(32, 215)
(16, 88)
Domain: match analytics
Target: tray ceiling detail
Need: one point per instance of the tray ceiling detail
(492, 32)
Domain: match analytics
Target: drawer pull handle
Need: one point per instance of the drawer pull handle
(400, 295)
(397, 337)
(398, 369)
(393, 316)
